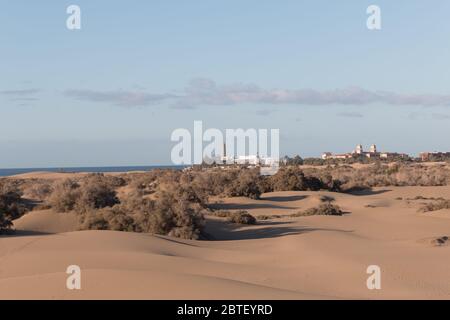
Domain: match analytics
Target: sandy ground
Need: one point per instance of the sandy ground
(319, 257)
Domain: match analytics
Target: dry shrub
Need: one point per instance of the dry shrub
(241, 217)
(327, 199)
(113, 182)
(144, 183)
(267, 217)
(11, 204)
(5, 222)
(220, 213)
(326, 209)
(245, 185)
(173, 214)
(169, 212)
(96, 192)
(294, 179)
(191, 189)
(65, 195)
(111, 218)
(230, 182)
(39, 190)
(383, 175)
(92, 192)
(435, 206)
(175, 208)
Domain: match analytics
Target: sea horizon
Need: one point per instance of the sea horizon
(5, 172)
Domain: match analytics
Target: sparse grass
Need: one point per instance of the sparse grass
(425, 198)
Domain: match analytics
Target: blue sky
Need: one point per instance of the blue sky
(112, 92)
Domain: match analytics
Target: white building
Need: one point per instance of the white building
(359, 152)
(252, 159)
(359, 149)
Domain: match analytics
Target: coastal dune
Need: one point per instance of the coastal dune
(314, 257)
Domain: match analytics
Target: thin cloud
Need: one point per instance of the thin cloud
(206, 92)
(350, 115)
(26, 99)
(24, 92)
(120, 98)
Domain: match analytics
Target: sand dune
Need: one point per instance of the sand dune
(47, 221)
(318, 257)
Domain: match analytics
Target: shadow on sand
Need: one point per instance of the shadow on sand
(247, 206)
(367, 192)
(284, 198)
(24, 233)
(220, 230)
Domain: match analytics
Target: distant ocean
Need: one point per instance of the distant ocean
(11, 172)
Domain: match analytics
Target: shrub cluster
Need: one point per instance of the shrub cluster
(168, 213)
(11, 204)
(294, 179)
(435, 206)
(241, 217)
(39, 190)
(92, 192)
(172, 207)
(382, 175)
(325, 209)
(245, 184)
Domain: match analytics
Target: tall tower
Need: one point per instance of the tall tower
(373, 148)
(224, 154)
